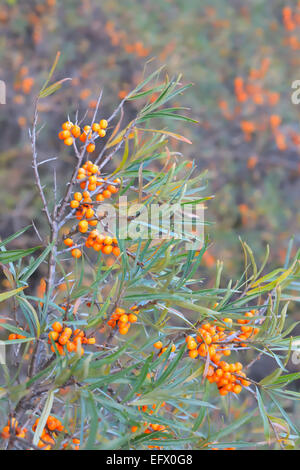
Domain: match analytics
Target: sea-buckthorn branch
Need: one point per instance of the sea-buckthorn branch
(80, 158)
(52, 222)
(35, 165)
(117, 147)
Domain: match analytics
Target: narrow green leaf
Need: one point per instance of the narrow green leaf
(43, 418)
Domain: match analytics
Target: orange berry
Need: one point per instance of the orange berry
(249, 314)
(57, 326)
(97, 246)
(193, 353)
(106, 194)
(123, 331)
(192, 344)
(5, 432)
(90, 148)
(89, 213)
(119, 310)
(63, 339)
(225, 366)
(68, 141)
(91, 341)
(94, 169)
(216, 358)
(102, 133)
(202, 350)
(103, 123)
(77, 196)
(158, 345)
(68, 332)
(228, 387)
(76, 131)
(93, 222)
(246, 329)
(94, 234)
(107, 240)
(51, 423)
(74, 204)
(207, 339)
(116, 251)
(66, 126)
(53, 335)
(100, 197)
(100, 238)
(124, 318)
(246, 383)
(83, 137)
(96, 127)
(112, 189)
(68, 242)
(132, 318)
(64, 135)
(71, 346)
(107, 249)
(237, 389)
(93, 179)
(83, 226)
(76, 253)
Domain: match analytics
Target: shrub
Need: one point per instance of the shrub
(124, 345)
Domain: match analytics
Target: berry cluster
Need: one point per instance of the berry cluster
(159, 345)
(66, 337)
(76, 443)
(150, 427)
(89, 178)
(89, 133)
(93, 185)
(215, 342)
(16, 336)
(103, 243)
(122, 319)
(49, 433)
(13, 425)
(145, 408)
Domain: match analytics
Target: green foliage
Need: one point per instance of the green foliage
(110, 384)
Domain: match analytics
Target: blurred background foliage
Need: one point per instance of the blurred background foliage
(242, 59)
